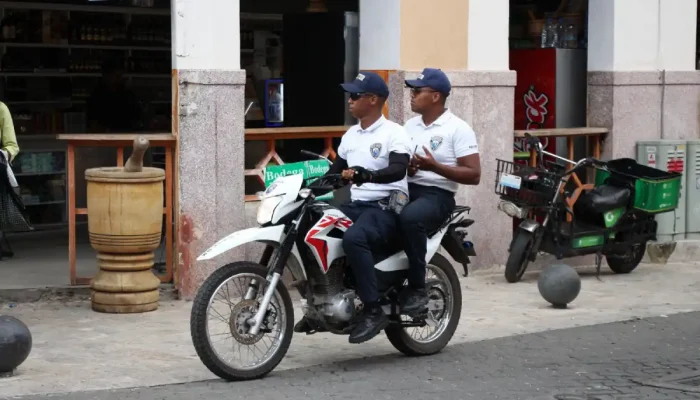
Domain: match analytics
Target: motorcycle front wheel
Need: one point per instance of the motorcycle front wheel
(519, 256)
(219, 323)
(445, 295)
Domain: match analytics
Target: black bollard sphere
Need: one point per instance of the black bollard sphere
(559, 284)
(15, 344)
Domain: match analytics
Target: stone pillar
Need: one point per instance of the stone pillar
(643, 83)
(208, 87)
(469, 41)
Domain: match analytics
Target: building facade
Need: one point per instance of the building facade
(642, 84)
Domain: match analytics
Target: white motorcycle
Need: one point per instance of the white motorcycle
(305, 236)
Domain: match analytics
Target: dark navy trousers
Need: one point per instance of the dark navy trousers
(428, 209)
(371, 231)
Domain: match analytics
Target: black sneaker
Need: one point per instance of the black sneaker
(369, 324)
(413, 301)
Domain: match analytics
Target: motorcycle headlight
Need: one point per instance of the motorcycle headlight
(512, 210)
(267, 208)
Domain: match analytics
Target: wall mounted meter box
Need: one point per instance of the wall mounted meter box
(668, 155)
(692, 184)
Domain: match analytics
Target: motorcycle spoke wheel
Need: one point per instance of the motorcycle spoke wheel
(227, 326)
(440, 298)
(444, 311)
(221, 320)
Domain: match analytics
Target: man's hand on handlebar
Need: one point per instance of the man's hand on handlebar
(357, 175)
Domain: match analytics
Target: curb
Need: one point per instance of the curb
(65, 294)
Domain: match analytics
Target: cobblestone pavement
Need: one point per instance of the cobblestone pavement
(597, 362)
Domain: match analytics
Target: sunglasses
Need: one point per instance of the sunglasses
(416, 91)
(357, 96)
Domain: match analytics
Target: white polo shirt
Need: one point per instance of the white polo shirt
(370, 148)
(448, 138)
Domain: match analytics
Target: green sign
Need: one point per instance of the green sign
(309, 169)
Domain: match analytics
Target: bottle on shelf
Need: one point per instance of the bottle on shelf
(550, 34)
(570, 36)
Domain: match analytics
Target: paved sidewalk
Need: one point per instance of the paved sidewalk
(76, 349)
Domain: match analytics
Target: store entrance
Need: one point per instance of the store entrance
(548, 51)
(69, 67)
(73, 67)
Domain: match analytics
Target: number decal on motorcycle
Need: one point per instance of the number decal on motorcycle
(317, 237)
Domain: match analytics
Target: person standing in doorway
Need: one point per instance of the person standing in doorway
(8, 138)
(446, 156)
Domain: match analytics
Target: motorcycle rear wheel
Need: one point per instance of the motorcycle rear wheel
(627, 263)
(404, 342)
(240, 312)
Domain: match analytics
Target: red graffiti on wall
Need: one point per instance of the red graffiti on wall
(535, 108)
(186, 237)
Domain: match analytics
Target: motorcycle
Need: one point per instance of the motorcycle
(615, 217)
(304, 235)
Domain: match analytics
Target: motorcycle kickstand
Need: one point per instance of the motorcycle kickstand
(598, 261)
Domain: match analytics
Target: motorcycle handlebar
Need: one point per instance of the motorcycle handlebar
(335, 181)
(532, 141)
(587, 162)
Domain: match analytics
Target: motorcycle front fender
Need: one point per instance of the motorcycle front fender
(529, 225)
(270, 235)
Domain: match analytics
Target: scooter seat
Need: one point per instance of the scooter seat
(603, 198)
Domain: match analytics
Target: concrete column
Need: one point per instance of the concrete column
(642, 79)
(208, 87)
(469, 41)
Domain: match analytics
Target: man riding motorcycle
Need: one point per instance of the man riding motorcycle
(378, 153)
(446, 155)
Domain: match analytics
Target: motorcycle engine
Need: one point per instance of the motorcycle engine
(333, 301)
(341, 306)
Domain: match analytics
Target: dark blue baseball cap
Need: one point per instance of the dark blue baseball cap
(433, 78)
(367, 82)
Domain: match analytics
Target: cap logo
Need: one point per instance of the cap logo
(360, 77)
(421, 76)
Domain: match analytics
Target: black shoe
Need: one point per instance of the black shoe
(371, 322)
(302, 326)
(413, 301)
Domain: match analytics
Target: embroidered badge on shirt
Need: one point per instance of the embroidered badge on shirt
(435, 142)
(375, 150)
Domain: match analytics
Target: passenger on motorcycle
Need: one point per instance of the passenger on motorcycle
(446, 155)
(374, 155)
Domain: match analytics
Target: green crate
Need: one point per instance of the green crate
(655, 191)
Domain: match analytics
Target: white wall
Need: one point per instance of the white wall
(641, 35)
(206, 34)
(488, 35)
(380, 34)
(636, 35)
(601, 21)
(678, 34)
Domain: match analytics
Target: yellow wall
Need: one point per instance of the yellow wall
(434, 33)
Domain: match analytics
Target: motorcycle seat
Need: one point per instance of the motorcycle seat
(603, 198)
(458, 210)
